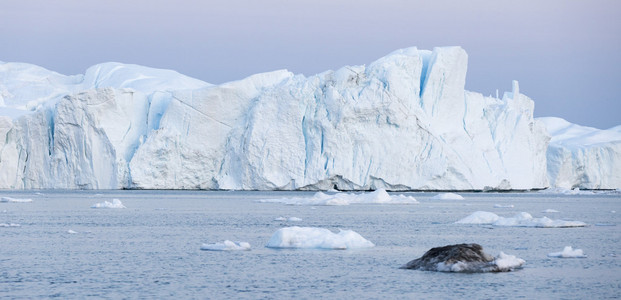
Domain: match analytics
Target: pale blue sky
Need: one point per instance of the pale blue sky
(565, 53)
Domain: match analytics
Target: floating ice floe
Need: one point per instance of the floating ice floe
(504, 206)
(116, 203)
(290, 219)
(549, 211)
(9, 225)
(577, 191)
(466, 258)
(317, 238)
(379, 196)
(447, 196)
(522, 219)
(226, 246)
(14, 200)
(568, 252)
(71, 231)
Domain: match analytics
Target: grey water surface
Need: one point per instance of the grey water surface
(151, 249)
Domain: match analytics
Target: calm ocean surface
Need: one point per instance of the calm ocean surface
(151, 249)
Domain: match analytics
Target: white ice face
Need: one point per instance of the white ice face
(402, 122)
(581, 157)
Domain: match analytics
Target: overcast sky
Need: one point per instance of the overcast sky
(566, 54)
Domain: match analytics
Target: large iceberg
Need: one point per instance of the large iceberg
(403, 122)
(581, 157)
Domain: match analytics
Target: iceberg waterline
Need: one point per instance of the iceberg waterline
(403, 122)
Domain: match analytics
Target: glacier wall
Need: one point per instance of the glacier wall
(403, 122)
(583, 157)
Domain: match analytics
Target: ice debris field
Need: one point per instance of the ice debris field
(402, 122)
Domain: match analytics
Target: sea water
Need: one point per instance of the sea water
(60, 247)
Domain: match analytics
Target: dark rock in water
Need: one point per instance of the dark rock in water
(468, 258)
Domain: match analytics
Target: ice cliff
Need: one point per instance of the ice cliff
(583, 157)
(402, 122)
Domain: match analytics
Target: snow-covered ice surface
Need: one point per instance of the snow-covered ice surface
(379, 196)
(568, 252)
(583, 157)
(116, 203)
(226, 246)
(522, 219)
(317, 238)
(144, 252)
(447, 196)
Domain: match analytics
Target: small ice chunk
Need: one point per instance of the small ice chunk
(568, 252)
(379, 196)
(9, 225)
(71, 231)
(447, 196)
(290, 219)
(504, 206)
(506, 262)
(549, 210)
(479, 217)
(14, 200)
(522, 219)
(116, 203)
(226, 246)
(318, 238)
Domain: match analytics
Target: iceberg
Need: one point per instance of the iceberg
(402, 122)
(464, 258)
(447, 196)
(317, 238)
(522, 219)
(581, 157)
(226, 246)
(14, 200)
(568, 252)
(116, 203)
(290, 219)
